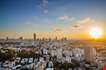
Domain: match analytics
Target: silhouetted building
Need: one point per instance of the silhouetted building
(6, 38)
(21, 38)
(34, 36)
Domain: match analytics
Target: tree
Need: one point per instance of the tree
(6, 54)
(26, 54)
(77, 63)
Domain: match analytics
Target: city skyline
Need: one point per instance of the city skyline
(51, 18)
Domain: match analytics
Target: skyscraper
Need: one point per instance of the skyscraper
(34, 36)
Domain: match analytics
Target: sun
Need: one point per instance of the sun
(95, 32)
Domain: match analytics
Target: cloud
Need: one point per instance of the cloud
(66, 18)
(45, 6)
(63, 17)
(57, 29)
(45, 2)
(86, 20)
(84, 24)
(45, 11)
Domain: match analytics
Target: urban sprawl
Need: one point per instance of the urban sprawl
(51, 54)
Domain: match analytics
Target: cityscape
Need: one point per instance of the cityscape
(52, 35)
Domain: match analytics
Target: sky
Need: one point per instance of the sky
(50, 18)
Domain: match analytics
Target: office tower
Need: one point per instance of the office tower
(34, 36)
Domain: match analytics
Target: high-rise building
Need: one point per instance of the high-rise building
(21, 38)
(90, 54)
(34, 36)
(6, 38)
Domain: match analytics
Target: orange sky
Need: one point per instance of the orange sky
(79, 30)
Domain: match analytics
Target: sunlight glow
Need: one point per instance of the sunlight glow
(95, 32)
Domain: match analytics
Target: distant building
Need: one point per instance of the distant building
(6, 38)
(21, 38)
(90, 54)
(56, 38)
(34, 36)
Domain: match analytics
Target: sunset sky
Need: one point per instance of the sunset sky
(50, 18)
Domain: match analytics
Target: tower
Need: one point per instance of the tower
(21, 38)
(34, 36)
(7, 38)
(90, 54)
